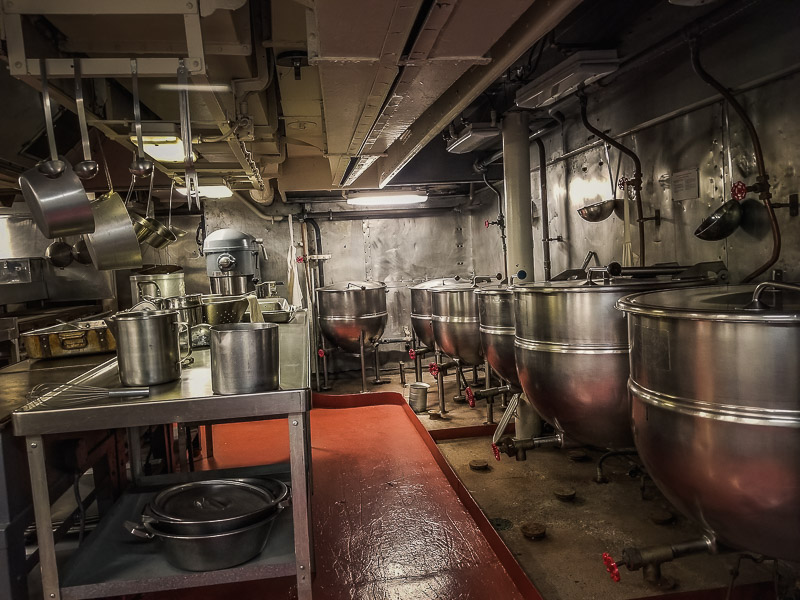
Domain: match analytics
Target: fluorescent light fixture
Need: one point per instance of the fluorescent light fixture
(585, 66)
(161, 142)
(387, 199)
(210, 187)
(473, 137)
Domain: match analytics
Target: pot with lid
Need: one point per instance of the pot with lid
(421, 308)
(210, 525)
(352, 308)
(496, 318)
(715, 396)
(456, 325)
(571, 350)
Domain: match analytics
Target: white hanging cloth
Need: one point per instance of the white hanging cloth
(292, 279)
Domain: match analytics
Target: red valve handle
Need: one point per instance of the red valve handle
(470, 397)
(611, 567)
(738, 191)
(623, 181)
(433, 369)
(320, 352)
(496, 452)
(301, 259)
(486, 223)
(412, 355)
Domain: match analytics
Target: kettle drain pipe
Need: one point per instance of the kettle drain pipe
(636, 182)
(651, 558)
(762, 181)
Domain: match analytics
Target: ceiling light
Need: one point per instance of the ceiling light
(388, 199)
(161, 142)
(210, 187)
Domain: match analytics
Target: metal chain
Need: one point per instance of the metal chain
(248, 156)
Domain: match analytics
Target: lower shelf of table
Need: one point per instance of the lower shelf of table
(112, 562)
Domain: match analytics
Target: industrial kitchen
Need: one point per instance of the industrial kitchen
(393, 300)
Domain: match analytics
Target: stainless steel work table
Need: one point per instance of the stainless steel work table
(111, 564)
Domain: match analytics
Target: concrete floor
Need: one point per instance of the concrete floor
(567, 564)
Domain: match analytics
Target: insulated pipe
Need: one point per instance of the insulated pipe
(636, 182)
(480, 165)
(546, 264)
(317, 249)
(763, 179)
(517, 184)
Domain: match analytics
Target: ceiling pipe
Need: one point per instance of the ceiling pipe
(636, 182)
(517, 184)
(357, 215)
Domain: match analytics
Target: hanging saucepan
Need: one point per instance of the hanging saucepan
(59, 254)
(80, 252)
(725, 219)
(161, 236)
(140, 166)
(54, 194)
(114, 244)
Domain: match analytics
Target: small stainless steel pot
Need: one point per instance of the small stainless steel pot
(244, 358)
(148, 346)
(157, 284)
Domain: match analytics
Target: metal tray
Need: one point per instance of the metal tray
(87, 337)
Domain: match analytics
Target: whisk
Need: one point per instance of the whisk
(70, 394)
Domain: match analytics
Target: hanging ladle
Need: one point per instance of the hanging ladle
(600, 211)
(87, 168)
(55, 166)
(141, 166)
(725, 219)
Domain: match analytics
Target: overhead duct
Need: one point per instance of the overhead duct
(473, 137)
(517, 182)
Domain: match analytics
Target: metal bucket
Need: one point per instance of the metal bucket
(418, 396)
(244, 358)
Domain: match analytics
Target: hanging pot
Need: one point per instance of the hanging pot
(80, 252)
(114, 244)
(59, 254)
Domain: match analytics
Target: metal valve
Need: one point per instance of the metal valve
(738, 191)
(486, 223)
(412, 354)
(623, 182)
(470, 396)
(611, 567)
(433, 369)
(301, 259)
(496, 452)
(321, 353)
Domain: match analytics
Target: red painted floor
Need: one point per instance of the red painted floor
(387, 522)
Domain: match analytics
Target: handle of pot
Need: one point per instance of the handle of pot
(48, 115)
(777, 285)
(87, 152)
(187, 358)
(595, 270)
(137, 530)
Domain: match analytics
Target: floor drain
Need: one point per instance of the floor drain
(500, 524)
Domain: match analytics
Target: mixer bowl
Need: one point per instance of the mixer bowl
(348, 309)
(716, 423)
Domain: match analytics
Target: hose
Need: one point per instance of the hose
(763, 178)
(637, 173)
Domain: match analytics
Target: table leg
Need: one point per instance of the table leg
(300, 459)
(209, 441)
(135, 449)
(183, 459)
(44, 523)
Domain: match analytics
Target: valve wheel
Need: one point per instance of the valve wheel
(412, 355)
(470, 397)
(623, 182)
(611, 567)
(301, 259)
(321, 353)
(433, 369)
(486, 223)
(738, 191)
(496, 452)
